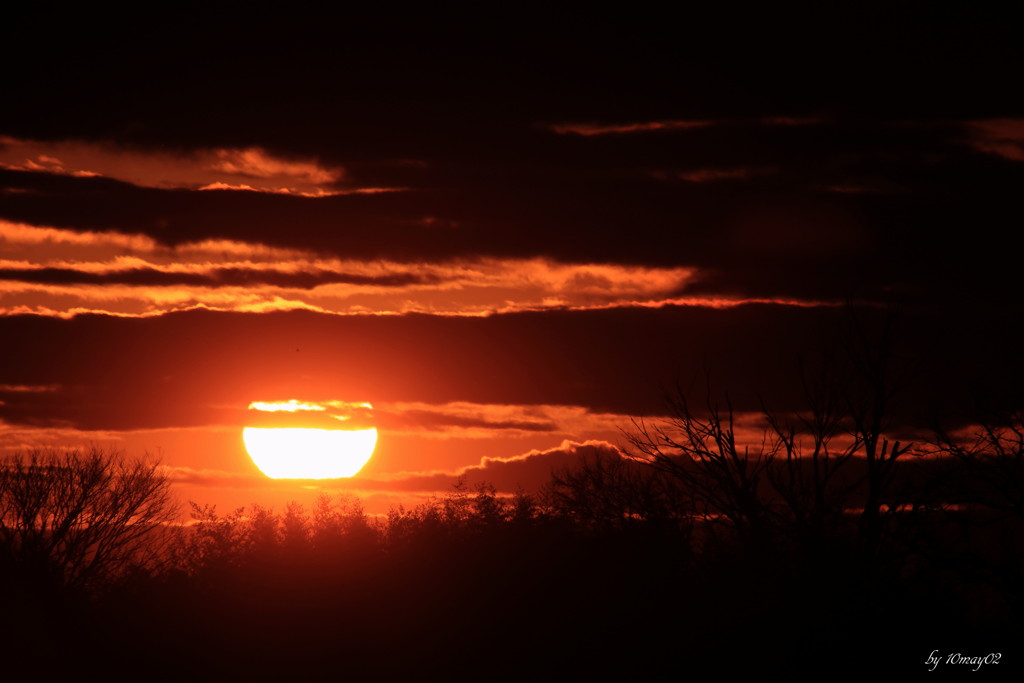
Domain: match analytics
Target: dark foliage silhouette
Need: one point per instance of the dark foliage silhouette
(984, 539)
(77, 519)
(991, 456)
(73, 526)
(605, 491)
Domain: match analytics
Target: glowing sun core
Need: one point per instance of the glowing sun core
(307, 453)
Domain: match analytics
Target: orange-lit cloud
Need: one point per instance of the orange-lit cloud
(14, 235)
(305, 193)
(331, 415)
(289, 406)
(50, 270)
(252, 168)
(26, 438)
(532, 470)
(219, 478)
(1002, 137)
(467, 420)
(28, 388)
(256, 163)
(528, 471)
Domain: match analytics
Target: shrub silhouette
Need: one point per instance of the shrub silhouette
(603, 492)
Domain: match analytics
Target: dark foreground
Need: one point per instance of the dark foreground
(477, 588)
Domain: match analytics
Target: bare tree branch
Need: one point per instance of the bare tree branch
(78, 518)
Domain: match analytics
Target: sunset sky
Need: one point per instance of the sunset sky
(509, 235)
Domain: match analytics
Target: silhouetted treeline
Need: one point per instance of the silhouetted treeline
(616, 569)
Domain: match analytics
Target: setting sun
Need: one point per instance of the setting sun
(692, 348)
(291, 452)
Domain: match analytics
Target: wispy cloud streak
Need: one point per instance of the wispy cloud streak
(253, 169)
(54, 271)
(1002, 137)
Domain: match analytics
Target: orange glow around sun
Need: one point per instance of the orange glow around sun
(333, 441)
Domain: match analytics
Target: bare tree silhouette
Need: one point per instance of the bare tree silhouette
(810, 477)
(992, 457)
(725, 481)
(72, 520)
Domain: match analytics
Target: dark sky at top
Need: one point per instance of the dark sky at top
(843, 146)
(815, 157)
(458, 109)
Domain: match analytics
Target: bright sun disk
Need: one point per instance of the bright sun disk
(304, 452)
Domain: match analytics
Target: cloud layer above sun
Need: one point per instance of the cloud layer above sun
(510, 242)
(54, 271)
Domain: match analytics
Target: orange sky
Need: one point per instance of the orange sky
(509, 256)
